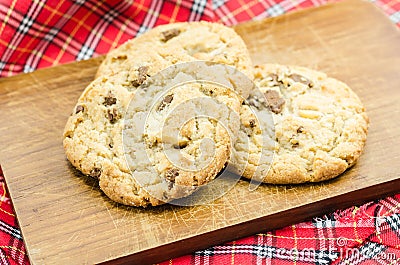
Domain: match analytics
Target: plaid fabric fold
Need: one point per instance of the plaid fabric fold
(363, 235)
(46, 33)
(40, 33)
(12, 249)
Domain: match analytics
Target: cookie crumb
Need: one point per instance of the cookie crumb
(252, 123)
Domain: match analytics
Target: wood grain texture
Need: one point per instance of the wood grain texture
(64, 217)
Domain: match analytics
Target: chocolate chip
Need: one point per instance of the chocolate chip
(180, 145)
(109, 100)
(171, 174)
(79, 108)
(273, 77)
(167, 99)
(95, 173)
(169, 34)
(300, 129)
(195, 182)
(112, 115)
(300, 79)
(252, 123)
(274, 101)
(294, 142)
(122, 57)
(142, 75)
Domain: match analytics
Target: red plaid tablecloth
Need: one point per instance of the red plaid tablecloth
(37, 34)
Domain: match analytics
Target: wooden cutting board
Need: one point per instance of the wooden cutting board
(64, 217)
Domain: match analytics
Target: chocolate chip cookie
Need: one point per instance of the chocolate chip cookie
(150, 139)
(203, 41)
(299, 126)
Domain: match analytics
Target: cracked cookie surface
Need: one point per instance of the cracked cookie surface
(94, 139)
(93, 134)
(299, 126)
(179, 141)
